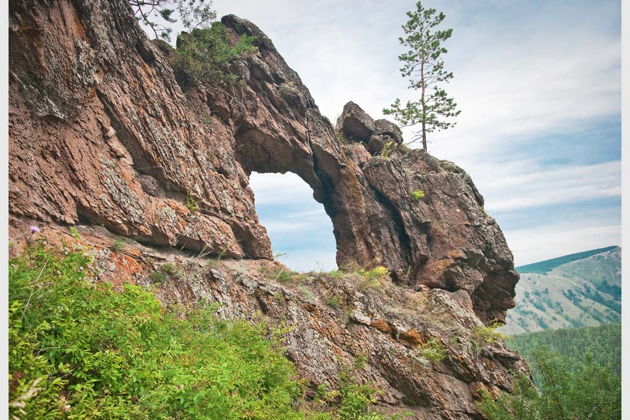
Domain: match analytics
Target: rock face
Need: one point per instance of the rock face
(102, 135)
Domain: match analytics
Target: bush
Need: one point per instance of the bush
(118, 245)
(84, 350)
(191, 203)
(206, 54)
(417, 195)
(567, 391)
(432, 350)
(485, 335)
(375, 273)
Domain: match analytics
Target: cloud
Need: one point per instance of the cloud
(532, 245)
(525, 184)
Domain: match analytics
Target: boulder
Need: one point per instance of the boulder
(354, 123)
(388, 128)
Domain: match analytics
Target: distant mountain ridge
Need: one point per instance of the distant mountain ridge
(543, 267)
(576, 290)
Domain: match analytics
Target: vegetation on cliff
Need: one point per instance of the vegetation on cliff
(89, 350)
(206, 54)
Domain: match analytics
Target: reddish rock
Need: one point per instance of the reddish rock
(101, 135)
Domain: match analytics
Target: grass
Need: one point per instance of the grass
(118, 245)
(85, 350)
(80, 349)
(158, 277)
(371, 279)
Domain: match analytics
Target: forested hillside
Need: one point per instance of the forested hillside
(567, 292)
(576, 372)
(602, 343)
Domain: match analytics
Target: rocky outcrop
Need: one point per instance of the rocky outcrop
(380, 334)
(102, 135)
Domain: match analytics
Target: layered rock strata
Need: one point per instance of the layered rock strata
(101, 135)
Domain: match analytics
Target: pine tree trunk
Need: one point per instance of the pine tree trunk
(424, 107)
(424, 136)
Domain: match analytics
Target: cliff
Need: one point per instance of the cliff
(103, 138)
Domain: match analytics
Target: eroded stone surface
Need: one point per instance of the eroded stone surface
(102, 135)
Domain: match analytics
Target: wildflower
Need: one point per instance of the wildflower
(34, 229)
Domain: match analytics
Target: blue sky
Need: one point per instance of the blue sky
(539, 86)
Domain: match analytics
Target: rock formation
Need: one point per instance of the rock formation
(102, 136)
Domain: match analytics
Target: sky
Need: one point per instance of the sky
(539, 87)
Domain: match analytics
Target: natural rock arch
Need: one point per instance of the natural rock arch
(171, 169)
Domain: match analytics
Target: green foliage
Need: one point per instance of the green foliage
(387, 149)
(334, 301)
(543, 267)
(169, 269)
(74, 232)
(355, 399)
(191, 203)
(158, 277)
(432, 350)
(417, 195)
(567, 391)
(481, 335)
(118, 245)
(355, 402)
(601, 343)
(423, 66)
(206, 54)
(83, 350)
(360, 360)
(378, 272)
(371, 279)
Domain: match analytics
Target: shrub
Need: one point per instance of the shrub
(205, 55)
(375, 273)
(158, 277)
(355, 399)
(387, 149)
(84, 350)
(74, 232)
(372, 278)
(169, 269)
(417, 195)
(118, 245)
(360, 360)
(191, 203)
(334, 301)
(483, 334)
(432, 350)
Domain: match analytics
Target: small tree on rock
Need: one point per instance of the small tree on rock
(423, 65)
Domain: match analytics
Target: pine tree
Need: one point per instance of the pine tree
(423, 65)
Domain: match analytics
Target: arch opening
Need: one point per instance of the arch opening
(300, 231)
